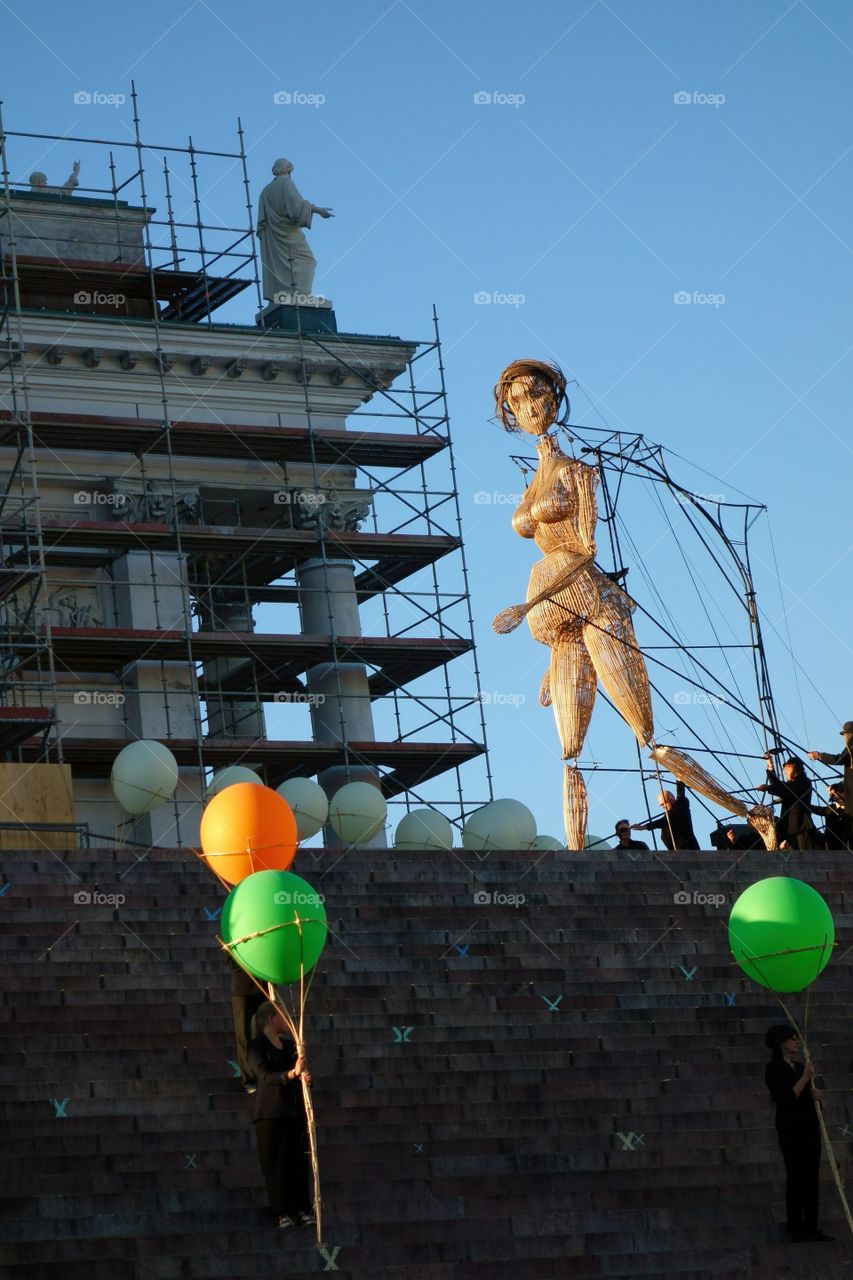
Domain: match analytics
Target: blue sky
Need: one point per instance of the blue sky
(590, 193)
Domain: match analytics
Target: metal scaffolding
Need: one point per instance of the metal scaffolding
(233, 655)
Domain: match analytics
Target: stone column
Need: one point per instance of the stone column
(340, 696)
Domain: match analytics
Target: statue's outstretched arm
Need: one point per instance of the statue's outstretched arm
(508, 619)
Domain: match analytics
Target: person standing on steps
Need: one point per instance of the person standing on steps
(279, 1119)
(793, 1090)
(794, 826)
(845, 758)
(676, 825)
(623, 835)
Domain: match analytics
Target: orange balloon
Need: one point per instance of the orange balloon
(246, 828)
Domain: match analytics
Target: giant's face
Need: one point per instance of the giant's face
(532, 402)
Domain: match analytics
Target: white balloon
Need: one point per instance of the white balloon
(492, 827)
(523, 816)
(546, 843)
(424, 829)
(229, 776)
(309, 803)
(357, 811)
(144, 776)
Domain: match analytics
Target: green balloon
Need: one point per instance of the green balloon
(260, 903)
(781, 915)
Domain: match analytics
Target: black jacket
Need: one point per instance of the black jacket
(839, 828)
(676, 826)
(844, 757)
(795, 818)
(792, 1114)
(275, 1098)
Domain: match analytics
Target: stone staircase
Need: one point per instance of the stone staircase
(568, 1085)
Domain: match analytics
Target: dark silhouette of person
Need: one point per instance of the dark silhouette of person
(793, 1091)
(623, 835)
(279, 1119)
(844, 757)
(794, 826)
(676, 825)
(838, 833)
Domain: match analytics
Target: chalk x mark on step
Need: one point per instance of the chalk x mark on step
(328, 1257)
(212, 915)
(191, 1164)
(630, 1141)
(59, 1112)
(235, 1067)
(688, 973)
(730, 998)
(401, 1036)
(6, 887)
(463, 951)
(553, 1005)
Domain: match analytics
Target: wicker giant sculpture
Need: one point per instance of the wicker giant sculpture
(575, 608)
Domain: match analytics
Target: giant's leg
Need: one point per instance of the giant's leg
(575, 807)
(571, 692)
(618, 662)
(572, 689)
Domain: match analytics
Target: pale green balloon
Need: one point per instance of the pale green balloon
(144, 776)
(357, 811)
(309, 803)
(523, 816)
(492, 828)
(230, 775)
(424, 829)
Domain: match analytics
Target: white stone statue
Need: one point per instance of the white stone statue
(287, 261)
(38, 182)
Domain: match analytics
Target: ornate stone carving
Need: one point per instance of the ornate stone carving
(328, 509)
(142, 505)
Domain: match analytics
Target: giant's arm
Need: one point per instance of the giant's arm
(508, 619)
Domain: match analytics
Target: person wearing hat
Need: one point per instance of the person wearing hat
(793, 1091)
(794, 826)
(844, 757)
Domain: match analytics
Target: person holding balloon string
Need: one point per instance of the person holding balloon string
(782, 935)
(279, 1119)
(793, 1089)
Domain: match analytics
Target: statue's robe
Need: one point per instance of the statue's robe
(288, 263)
